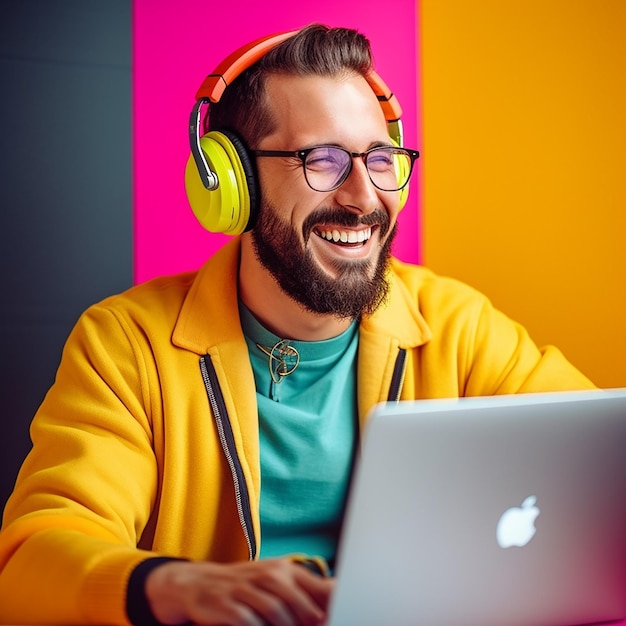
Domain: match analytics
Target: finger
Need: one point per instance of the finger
(270, 608)
(320, 588)
(304, 594)
(226, 612)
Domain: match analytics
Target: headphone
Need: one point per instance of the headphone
(220, 179)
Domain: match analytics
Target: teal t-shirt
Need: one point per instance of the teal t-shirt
(307, 429)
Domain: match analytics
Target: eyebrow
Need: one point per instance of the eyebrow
(374, 144)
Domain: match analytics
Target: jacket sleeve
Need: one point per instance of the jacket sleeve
(85, 492)
(500, 358)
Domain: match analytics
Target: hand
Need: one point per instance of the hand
(276, 592)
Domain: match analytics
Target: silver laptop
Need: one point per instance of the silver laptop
(488, 511)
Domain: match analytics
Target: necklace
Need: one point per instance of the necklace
(283, 359)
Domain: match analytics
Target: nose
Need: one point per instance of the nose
(357, 192)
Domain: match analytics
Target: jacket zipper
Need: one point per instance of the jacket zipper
(227, 440)
(397, 378)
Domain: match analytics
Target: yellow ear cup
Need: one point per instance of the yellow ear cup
(227, 208)
(404, 192)
(401, 172)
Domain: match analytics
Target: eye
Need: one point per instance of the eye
(380, 160)
(326, 159)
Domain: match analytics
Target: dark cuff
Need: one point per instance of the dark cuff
(137, 605)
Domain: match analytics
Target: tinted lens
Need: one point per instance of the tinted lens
(325, 167)
(389, 168)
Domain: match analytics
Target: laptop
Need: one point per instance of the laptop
(508, 510)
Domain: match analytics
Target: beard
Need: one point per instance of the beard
(357, 288)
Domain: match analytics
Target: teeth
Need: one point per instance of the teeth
(345, 236)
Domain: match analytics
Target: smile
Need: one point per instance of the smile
(345, 236)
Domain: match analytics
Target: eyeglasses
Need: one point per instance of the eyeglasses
(327, 167)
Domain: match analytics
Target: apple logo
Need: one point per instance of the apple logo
(516, 526)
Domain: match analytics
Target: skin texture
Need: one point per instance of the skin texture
(274, 591)
(316, 110)
(311, 110)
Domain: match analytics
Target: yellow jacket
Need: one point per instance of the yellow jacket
(149, 436)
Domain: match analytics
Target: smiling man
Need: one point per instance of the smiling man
(191, 462)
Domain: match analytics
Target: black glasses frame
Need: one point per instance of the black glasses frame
(303, 154)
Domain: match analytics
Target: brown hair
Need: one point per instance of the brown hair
(316, 49)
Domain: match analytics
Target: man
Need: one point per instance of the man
(191, 461)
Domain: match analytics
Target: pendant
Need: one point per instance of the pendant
(283, 359)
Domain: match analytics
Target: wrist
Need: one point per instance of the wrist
(138, 606)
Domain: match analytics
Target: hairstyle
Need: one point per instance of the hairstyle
(314, 50)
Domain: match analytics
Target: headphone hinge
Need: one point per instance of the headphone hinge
(205, 167)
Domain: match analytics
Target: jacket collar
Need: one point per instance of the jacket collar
(203, 321)
(209, 314)
(398, 319)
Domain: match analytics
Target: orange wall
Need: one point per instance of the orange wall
(525, 165)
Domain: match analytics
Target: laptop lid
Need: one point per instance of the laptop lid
(487, 511)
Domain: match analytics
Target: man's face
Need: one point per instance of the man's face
(328, 251)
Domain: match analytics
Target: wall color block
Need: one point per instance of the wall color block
(175, 44)
(524, 135)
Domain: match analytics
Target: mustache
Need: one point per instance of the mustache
(340, 217)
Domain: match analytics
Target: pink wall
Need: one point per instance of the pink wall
(175, 44)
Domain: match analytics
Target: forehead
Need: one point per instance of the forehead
(311, 110)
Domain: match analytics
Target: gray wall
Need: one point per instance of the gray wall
(65, 190)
